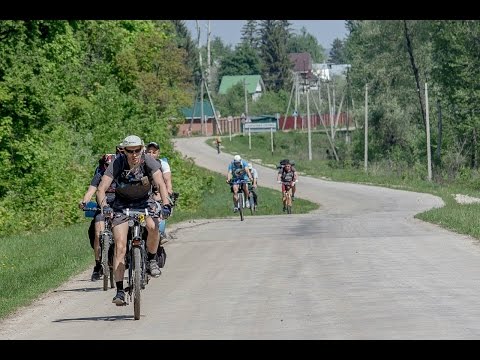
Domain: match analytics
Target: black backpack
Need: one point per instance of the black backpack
(283, 162)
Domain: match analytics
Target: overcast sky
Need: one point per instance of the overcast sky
(230, 30)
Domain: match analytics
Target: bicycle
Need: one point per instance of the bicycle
(106, 243)
(287, 195)
(136, 256)
(240, 205)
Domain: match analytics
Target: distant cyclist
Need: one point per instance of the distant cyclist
(287, 175)
(238, 170)
(281, 170)
(218, 142)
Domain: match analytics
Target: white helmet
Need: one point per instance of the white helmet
(237, 158)
(250, 166)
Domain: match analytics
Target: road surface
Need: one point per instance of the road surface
(359, 267)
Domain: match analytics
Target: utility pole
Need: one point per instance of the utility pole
(429, 154)
(209, 63)
(296, 102)
(308, 125)
(246, 98)
(366, 128)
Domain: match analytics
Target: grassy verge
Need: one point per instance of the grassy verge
(461, 218)
(30, 265)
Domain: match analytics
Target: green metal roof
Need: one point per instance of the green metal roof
(230, 80)
(207, 110)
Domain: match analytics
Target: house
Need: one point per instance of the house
(326, 71)
(253, 84)
(302, 64)
(193, 115)
(196, 111)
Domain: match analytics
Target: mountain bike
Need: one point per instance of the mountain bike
(106, 243)
(287, 196)
(136, 255)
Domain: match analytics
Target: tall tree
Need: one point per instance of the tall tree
(276, 65)
(306, 42)
(250, 34)
(337, 52)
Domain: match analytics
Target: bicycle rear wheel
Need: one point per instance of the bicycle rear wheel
(137, 278)
(252, 202)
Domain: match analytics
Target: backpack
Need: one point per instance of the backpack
(132, 187)
(283, 162)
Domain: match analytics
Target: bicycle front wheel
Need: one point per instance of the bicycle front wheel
(105, 242)
(241, 203)
(137, 278)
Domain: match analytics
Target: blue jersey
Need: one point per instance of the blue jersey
(238, 171)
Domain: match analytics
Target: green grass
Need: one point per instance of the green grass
(33, 264)
(30, 265)
(460, 218)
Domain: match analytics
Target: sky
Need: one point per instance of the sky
(230, 30)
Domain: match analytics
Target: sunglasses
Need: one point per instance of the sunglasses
(133, 151)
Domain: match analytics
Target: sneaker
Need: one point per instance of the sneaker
(235, 209)
(119, 299)
(97, 274)
(153, 269)
(247, 204)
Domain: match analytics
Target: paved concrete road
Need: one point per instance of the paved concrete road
(360, 267)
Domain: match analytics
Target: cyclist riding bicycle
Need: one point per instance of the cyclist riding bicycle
(280, 168)
(238, 170)
(134, 174)
(97, 224)
(287, 175)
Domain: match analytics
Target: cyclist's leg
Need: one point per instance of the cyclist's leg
(153, 242)
(235, 194)
(99, 227)
(120, 231)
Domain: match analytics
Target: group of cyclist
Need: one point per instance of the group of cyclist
(134, 177)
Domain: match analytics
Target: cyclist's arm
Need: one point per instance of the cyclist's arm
(229, 173)
(279, 176)
(158, 181)
(90, 192)
(249, 174)
(101, 190)
(168, 181)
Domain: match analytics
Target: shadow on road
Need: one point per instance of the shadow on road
(96, 318)
(80, 289)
